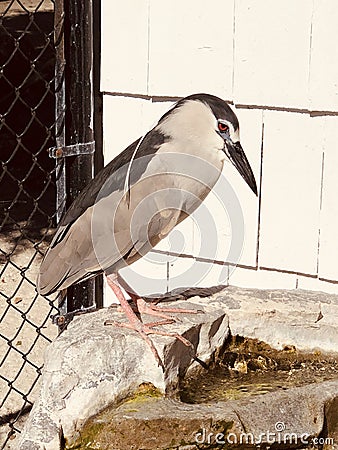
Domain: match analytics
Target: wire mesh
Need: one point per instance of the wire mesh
(27, 200)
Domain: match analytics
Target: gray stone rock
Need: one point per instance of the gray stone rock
(292, 418)
(281, 318)
(91, 365)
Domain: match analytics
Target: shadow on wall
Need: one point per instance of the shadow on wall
(27, 62)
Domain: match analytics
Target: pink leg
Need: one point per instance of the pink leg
(135, 323)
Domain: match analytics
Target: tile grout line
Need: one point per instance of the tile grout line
(233, 49)
(148, 49)
(310, 51)
(175, 98)
(260, 194)
(321, 200)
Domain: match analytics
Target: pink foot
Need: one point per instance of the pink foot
(134, 323)
(158, 311)
(145, 329)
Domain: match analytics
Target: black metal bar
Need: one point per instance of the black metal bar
(98, 97)
(79, 118)
(59, 106)
(98, 117)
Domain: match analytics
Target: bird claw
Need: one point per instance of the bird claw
(158, 311)
(161, 322)
(145, 329)
(143, 334)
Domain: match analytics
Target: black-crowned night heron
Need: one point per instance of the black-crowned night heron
(139, 197)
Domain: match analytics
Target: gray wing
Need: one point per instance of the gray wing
(113, 175)
(71, 256)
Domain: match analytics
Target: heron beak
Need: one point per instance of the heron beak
(240, 161)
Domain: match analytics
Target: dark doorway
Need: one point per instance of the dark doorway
(27, 109)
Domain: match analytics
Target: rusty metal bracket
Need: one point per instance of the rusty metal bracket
(63, 320)
(87, 148)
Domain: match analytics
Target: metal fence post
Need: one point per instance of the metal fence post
(78, 37)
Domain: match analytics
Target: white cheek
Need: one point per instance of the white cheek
(222, 157)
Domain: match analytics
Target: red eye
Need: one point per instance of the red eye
(222, 127)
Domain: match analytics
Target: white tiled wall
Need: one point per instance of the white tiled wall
(324, 57)
(291, 186)
(189, 41)
(251, 122)
(262, 279)
(280, 67)
(272, 43)
(124, 47)
(328, 250)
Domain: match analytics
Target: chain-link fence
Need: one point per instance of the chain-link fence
(27, 200)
